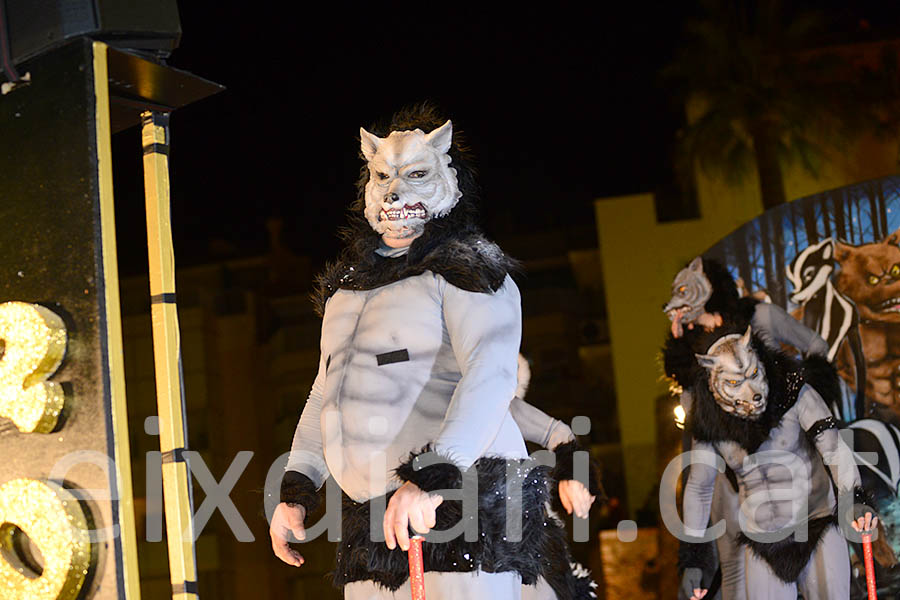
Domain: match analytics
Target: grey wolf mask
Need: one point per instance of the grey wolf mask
(737, 377)
(410, 179)
(690, 291)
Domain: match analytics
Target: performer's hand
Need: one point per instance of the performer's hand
(691, 582)
(574, 496)
(288, 519)
(409, 507)
(865, 524)
(709, 321)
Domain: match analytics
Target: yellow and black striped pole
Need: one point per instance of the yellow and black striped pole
(167, 357)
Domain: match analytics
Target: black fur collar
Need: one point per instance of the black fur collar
(709, 423)
(468, 261)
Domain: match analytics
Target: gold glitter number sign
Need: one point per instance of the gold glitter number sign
(52, 519)
(34, 343)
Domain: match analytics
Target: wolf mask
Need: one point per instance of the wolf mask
(410, 179)
(690, 291)
(737, 377)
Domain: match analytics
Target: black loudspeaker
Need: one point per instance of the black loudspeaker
(151, 27)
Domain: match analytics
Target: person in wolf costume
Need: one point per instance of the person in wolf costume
(420, 336)
(758, 400)
(705, 300)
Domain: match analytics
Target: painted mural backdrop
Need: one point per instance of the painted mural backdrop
(833, 261)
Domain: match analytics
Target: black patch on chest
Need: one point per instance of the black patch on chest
(396, 356)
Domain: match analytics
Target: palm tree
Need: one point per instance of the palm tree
(767, 96)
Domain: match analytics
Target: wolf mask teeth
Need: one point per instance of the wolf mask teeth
(410, 179)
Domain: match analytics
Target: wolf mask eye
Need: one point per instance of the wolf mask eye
(382, 176)
(417, 174)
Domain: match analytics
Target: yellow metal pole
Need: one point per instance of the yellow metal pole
(167, 357)
(127, 529)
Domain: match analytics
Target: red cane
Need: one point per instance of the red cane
(867, 558)
(417, 568)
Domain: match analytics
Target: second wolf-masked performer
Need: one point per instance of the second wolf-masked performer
(757, 402)
(705, 301)
(420, 338)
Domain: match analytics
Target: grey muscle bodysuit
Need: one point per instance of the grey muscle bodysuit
(402, 366)
(774, 326)
(780, 500)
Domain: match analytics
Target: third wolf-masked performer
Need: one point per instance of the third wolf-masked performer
(704, 300)
(570, 495)
(757, 401)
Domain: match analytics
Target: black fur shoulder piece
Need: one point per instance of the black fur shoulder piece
(709, 423)
(822, 376)
(471, 263)
(451, 246)
(725, 298)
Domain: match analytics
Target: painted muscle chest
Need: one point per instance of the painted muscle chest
(788, 437)
(385, 326)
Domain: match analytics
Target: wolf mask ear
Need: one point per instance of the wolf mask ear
(745, 339)
(706, 361)
(441, 138)
(696, 265)
(369, 144)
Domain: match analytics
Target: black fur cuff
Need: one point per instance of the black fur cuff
(700, 555)
(444, 475)
(565, 468)
(297, 488)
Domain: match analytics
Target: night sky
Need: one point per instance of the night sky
(560, 105)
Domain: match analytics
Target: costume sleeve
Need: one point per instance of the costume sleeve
(307, 456)
(777, 326)
(822, 429)
(539, 427)
(698, 492)
(485, 331)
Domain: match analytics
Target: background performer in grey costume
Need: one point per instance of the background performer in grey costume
(761, 403)
(705, 299)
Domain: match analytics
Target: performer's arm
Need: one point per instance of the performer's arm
(822, 430)
(304, 475)
(773, 322)
(539, 427)
(697, 558)
(485, 331)
(698, 492)
(306, 470)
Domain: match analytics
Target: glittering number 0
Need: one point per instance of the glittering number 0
(34, 343)
(52, 518)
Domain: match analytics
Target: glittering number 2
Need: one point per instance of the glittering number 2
(33, 342)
